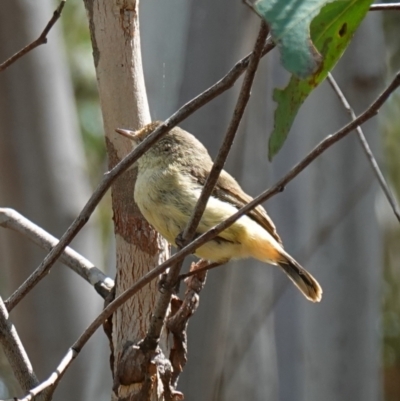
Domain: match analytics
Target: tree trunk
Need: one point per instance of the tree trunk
(115, 38)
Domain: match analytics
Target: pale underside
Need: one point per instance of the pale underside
(167, 204)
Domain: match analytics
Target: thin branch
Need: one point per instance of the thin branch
(367, 150)
(157, 321)
(15, 352)
(186, 110)
(219, 163)
(42, 39)
(10, 218)
(371, 111)
(384, 6)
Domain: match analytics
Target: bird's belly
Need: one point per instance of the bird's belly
(167, 208)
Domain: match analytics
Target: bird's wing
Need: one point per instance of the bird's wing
(229, 190)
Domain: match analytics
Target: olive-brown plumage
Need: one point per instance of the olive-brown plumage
(171, 175)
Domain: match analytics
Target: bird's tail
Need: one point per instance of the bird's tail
(303, 280)
(262, 246)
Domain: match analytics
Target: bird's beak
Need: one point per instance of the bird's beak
(128, 134)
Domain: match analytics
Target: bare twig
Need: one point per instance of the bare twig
(186, 110)
(367, 150)
(10, 218)
(42, 39)
(219, 163)
(384, 6)
(157, 321)
(371, 111)
(15, 352)
(158, 318)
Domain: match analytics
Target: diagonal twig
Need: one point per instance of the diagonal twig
(219, 163)
(152, 338)
(371, 111)
(367, 150)
(10, 218)
(41, 40)
(186, 110)
(158, 318)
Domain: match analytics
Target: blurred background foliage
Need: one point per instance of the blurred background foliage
(390, 121)
(79, 51)
(80, 59)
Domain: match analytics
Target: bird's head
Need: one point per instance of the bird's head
(177, 147)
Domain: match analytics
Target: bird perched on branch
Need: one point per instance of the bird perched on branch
(171, 175)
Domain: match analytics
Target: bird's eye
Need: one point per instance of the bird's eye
(167, 147)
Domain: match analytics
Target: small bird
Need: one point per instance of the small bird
(171, 175)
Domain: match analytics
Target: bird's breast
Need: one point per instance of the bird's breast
(165, 198)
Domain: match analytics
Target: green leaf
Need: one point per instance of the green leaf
(331, 32)
(289, 23)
